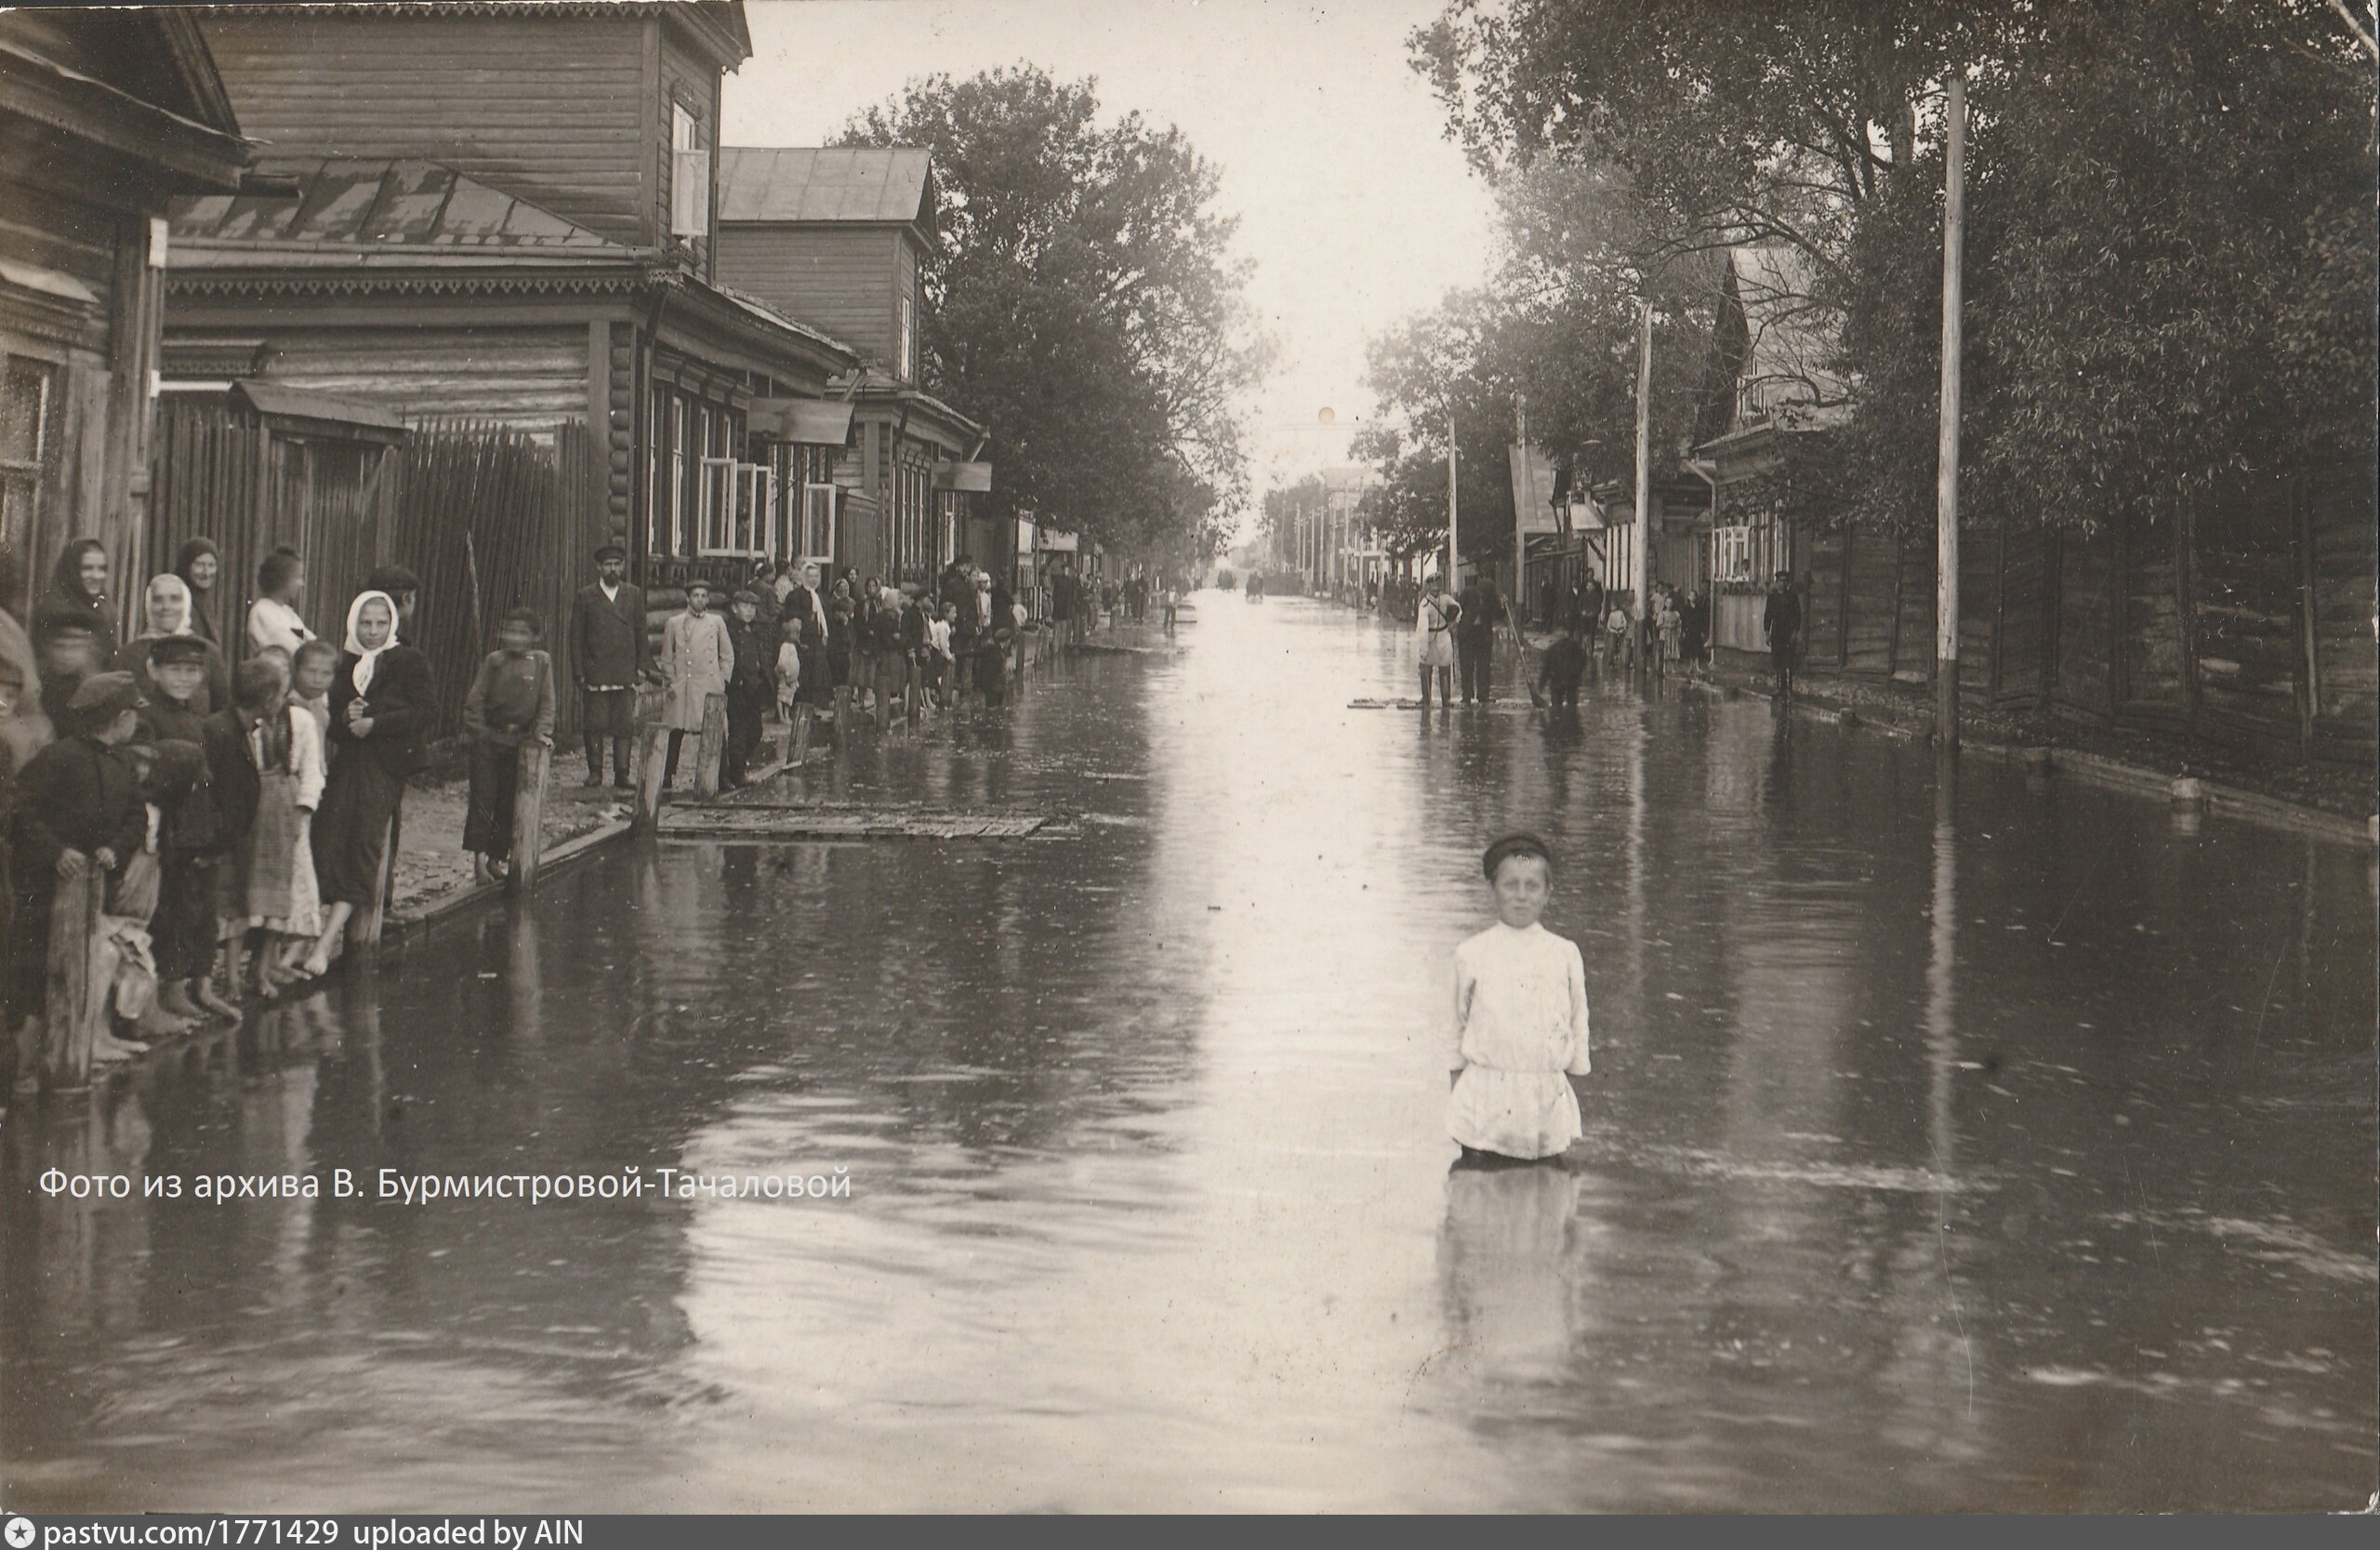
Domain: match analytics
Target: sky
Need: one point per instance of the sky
(1354, 206)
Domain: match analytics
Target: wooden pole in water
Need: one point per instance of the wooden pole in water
(652, 755)
(75, 1011)
(712, 746)
(1945, 508)
(529, 816)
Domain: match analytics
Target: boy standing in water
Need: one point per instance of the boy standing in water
(1520, 1019)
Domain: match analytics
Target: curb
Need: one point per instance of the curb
(2232, 801)
(404, 926)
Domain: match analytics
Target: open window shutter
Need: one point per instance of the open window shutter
(690, 193)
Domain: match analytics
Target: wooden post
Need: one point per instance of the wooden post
(713, 746)
(1946, 500)
(652, 754)
(75, 1011)
(529, 816)
(1454, 514)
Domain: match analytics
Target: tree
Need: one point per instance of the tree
(2170, 249)
(1084, 301)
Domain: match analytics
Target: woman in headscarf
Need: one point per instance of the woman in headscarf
(78, 589)
(166, 607)
(381, 702)
(199, 564)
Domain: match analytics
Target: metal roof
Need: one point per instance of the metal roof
(344, 201)
(883, 185)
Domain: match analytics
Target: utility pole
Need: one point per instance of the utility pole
(1454, 511)
(1640, 561)
(1524, 502)
(1946, 500)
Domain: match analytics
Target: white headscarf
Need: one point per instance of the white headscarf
(167, 585)
(365, 661)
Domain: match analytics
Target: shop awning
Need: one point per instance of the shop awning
(813, 421)
(976, 477)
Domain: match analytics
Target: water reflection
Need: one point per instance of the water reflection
(1952, 1142)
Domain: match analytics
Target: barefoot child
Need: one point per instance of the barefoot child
(1520, 1018)
(189, 846)
(310, 685)
(791, 709)
(511, 701)
(265, 752)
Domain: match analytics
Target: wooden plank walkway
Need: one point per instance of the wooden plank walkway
(759, 822)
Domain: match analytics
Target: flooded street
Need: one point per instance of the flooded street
(2009, 1150)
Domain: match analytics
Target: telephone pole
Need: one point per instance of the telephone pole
(1945, 499)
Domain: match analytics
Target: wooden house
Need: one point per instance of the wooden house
(839, 237)
(506, 215)
(1785, 387)
(104, 116)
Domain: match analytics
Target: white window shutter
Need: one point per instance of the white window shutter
(690, 193)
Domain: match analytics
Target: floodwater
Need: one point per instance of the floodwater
(2009, 1147)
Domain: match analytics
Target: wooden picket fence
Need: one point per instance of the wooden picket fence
(486, 514)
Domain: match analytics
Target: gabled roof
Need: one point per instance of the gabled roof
(719, 24)
(343, 203)
(875, 185)
(140, 82)
(1790, 338)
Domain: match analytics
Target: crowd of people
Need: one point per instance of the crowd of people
(239, 815)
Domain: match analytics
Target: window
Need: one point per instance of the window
(716, 498)
(688, 174)
(28, 437)
(907, 365)
(1731, 553)
(675, 529)
(818, 522)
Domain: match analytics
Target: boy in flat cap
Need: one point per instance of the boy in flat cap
(76, 805)
(610, 653)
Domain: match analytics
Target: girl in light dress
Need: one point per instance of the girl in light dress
(267, 890)
(1520, 1019)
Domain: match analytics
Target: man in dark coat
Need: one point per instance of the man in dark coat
(1475, 637)
(751, 689)
(611, 653)
(1780, 620)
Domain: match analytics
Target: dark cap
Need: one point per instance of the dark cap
(176, 649)
(613, 550)
(745, 594)
(103, 695)
(1510, 845)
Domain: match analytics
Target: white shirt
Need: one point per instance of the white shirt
(1520, 1002)
(273, 623)
(938, 635)
(611, 593)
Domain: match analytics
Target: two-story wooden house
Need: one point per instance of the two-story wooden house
(104, 116)
(839, 237)
(508, 213)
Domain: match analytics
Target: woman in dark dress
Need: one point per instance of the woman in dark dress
(381, 700)
(199, 564)
(843, 626)
(79, 590)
